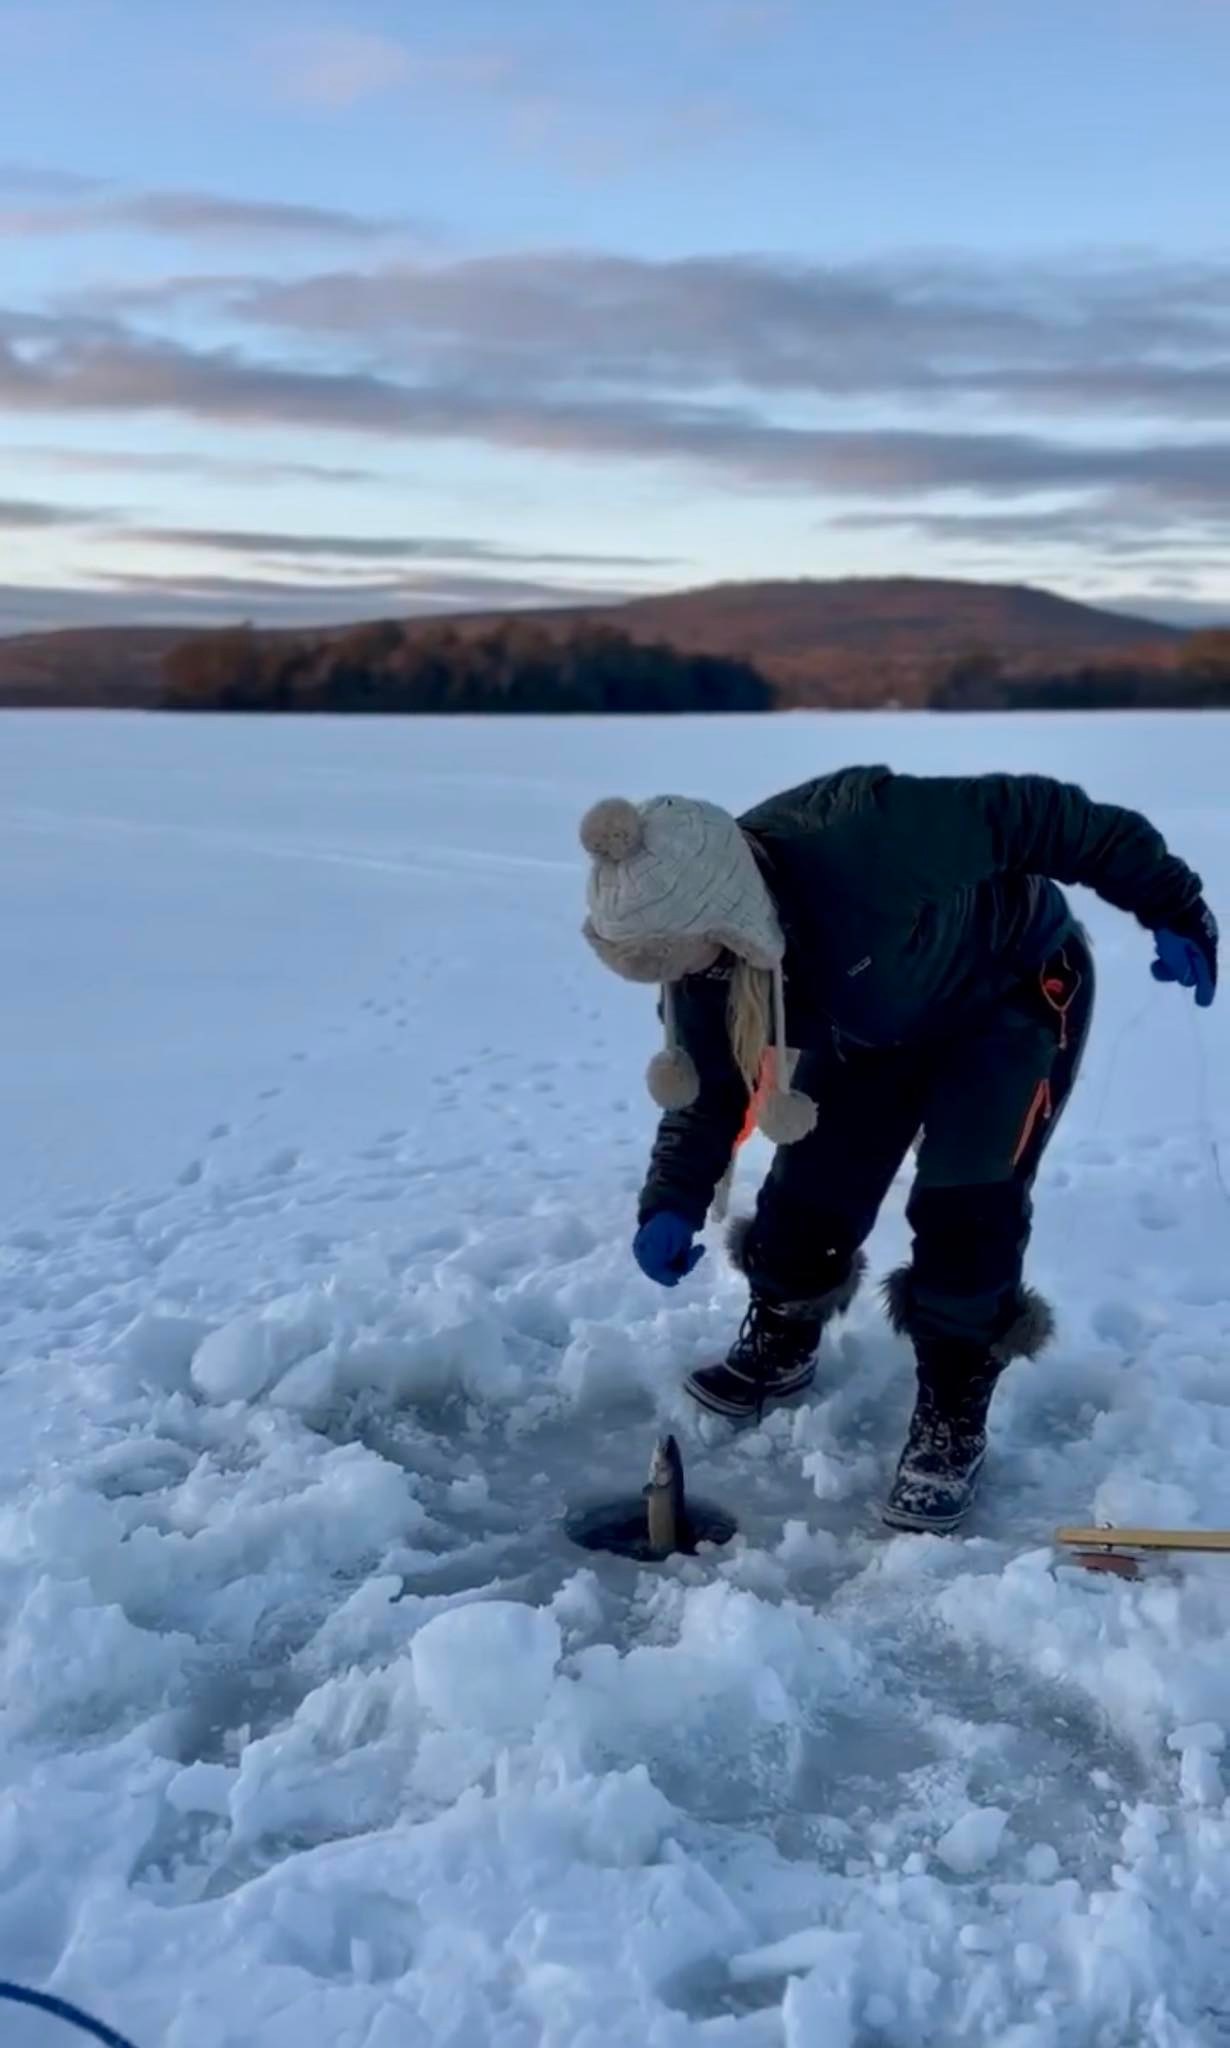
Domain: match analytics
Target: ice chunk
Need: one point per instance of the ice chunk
(202, 1788)
(801, 1546)
(68, 1655)
(820, 2007)
(1030, 1962)
(309, 1385)
(236, 1362)
(811, 1948)
(488, 1666)
(1207, 1735)
(600, 1364)
(578, 1603)
(627, 1818)
(973, 1841)
(1200, 1778)
(160, 1348)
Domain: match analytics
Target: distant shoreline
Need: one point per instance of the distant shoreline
(857, 643)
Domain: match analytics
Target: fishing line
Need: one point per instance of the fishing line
(1121, 1037)
(1204, 1114)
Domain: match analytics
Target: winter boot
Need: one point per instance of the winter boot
(947, 1442)
(774, 1356)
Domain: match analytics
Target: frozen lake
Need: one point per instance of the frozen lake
(322, 1131)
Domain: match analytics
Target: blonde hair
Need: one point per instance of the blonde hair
(749, 1019)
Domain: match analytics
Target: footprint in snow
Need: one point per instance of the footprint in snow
(1091, 1153)
(1117, 1323)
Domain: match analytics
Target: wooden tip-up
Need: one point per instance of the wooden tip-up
(1143, 1539)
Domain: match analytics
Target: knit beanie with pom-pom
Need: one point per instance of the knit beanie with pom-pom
(668, 876)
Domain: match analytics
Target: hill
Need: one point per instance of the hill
(863, 639)
(855, 641)
(117, 667)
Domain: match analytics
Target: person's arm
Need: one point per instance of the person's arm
(693, 1146)
(966, 829)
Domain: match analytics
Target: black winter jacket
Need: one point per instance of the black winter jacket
(907, 904)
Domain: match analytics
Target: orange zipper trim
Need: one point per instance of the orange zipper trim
(1039, 1107)
(1052, 990)
(764, 1086)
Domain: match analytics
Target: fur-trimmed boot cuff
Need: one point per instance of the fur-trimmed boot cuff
(831, 1300)
(1029, 1332)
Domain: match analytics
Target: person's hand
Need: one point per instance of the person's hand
(664, 1250)
(1187, 952)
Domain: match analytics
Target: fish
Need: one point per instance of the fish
(666, 1510)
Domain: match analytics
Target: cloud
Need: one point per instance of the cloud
(380, 548)
(531, 91)
(137, 599)
(36, 203)
(212, 468)
(218, 600)
(86, 372)
(423, 590)
(190, 214)
(337, 68)
(36, 181)
(1173, 611)
(1120, 336)
(21, 515)
(1117, 521)
(977, 406)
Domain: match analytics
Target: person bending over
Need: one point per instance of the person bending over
(868, 962)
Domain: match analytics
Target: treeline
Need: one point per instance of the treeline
(521, 665)
(1199, 680)
(512, 666)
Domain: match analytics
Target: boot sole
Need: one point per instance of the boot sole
(916, 1524)
(744, 1411)
(923, 1525)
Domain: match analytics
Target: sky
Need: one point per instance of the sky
(311, 313)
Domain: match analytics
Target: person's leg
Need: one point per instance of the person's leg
(992, 1105)
(801, 1250)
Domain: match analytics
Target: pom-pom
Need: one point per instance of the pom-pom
(612, 829)
(785, 1117)
(672, 1080)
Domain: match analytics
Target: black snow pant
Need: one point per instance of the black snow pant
(982, 1106)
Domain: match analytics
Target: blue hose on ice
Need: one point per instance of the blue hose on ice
(60, 2009)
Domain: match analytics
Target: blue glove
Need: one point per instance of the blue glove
(1187, 953)
(663, 1249)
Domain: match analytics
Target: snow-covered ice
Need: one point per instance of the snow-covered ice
(321, 1133)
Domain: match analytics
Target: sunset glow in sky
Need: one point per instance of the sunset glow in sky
(324, 312)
